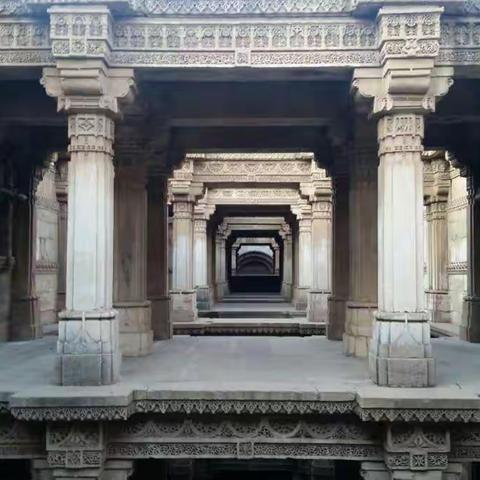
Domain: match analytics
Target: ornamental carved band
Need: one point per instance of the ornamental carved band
(401, 133)
(92, 132)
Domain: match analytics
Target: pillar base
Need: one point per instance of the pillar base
(88, 351)
(470, 328)
(300, 298)
(438, 305)
(358, 328)
(336, 318)
(135, 325)
(287, 291)
(25, 319)
(317, 310)
(204, 298)
(161, 324)
(184, 306)
(400, 351)
(221, 289)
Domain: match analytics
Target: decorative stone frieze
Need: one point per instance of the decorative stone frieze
(240, 437)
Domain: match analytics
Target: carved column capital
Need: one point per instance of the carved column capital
(407, 81)
(89, 87)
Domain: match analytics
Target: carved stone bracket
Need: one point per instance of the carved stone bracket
(411, 447)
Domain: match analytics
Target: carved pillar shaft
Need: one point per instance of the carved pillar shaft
(340, 270)
(221, 285)
(321, 260)
(287, 267)
(363, 285)
(157, 256)
(88, 342)
(304, 263)
(276, 258)
(24, 315)
(400, 352)
(184, 299)
(470, 328)
(234, 260)
(62, 198)
(130, 262)
(436, 196)
(200, 259)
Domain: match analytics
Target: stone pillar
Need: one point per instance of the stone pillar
(404, 89)
(321, 259)
(221, 286)
(117, 470)
(41, 470)
(276, 259)
(340, 268)
(25, 314)
(157, 255)
(88, 342)
(437, 185)
(130, 262)
(374, 471)
(234, 258)
(363, 285)
(62, 199)
(470, 328)
(7, 199)
(304, 258)
(184, 296)
(200, 256)
(88, 351)
(401, 353)
(287, 280)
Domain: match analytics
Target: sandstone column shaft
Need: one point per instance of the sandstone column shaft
(184, 299)
(470, 328)
(25, 315)
(340, 271)
(304, 263)
(157, 256)
(200, 259)
(88, 342)
(321, 260)
(400, 353)
(437, 169)
(220, 266)
(130, 262)
(287, 266)
(363, 284)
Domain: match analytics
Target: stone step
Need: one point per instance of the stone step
(252, 313)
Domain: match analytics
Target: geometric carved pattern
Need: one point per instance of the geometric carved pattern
(243, 437)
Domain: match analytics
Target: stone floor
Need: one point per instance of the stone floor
(219, 367)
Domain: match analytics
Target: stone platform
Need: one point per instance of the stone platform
(240, 375)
